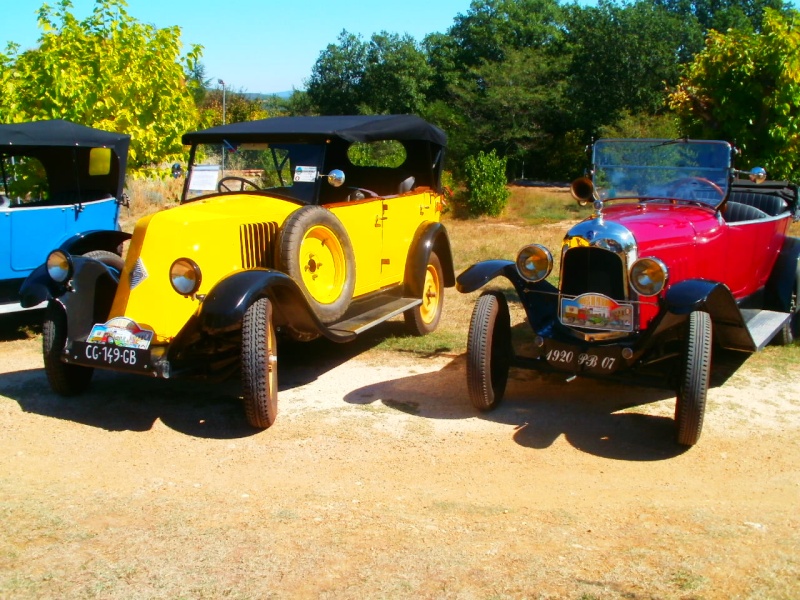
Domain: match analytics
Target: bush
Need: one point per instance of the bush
(485, 176)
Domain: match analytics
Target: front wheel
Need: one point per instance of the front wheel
(64, 379)
(790, 331)
(695, 377)
(259, 365)
(489, 350)
(424, 318)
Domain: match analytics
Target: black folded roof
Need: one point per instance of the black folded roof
(354, 128)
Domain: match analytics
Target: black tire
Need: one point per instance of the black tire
(309, 234)
(695, 378)
(424, 318)
(259, 365)
(64, 379)
(489, 351)
(107, 258)
(791, 329)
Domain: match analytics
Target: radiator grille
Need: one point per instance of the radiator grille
(257, 242)
(593, 270)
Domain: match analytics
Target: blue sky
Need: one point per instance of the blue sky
(257, 45)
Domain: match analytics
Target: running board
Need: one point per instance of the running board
(375, 316)
(763, 325)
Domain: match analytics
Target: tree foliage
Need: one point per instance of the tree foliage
(745, 88)
(108, 71)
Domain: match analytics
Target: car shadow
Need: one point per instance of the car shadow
(123, 402)
(595, 416)
(20, 325)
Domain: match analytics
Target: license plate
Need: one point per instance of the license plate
(103, 355)
(596, 311)
(576, 361)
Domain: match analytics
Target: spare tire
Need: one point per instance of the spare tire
(315, 251)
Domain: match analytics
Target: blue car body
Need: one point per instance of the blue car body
(60, 187)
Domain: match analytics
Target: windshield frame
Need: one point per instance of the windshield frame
(698, 171)
(299, 183)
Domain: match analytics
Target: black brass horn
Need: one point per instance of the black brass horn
(582, 189)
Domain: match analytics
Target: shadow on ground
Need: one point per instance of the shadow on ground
(122, 402)
(596, 416)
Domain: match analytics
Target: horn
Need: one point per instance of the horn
(582, 189)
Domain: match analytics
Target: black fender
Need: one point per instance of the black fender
(730, 330)
(479, 274)
(429, 237)
(38, 287)
(100, 239)
(785, 276)
(224, 307)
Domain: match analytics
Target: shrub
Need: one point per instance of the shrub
(485, 176)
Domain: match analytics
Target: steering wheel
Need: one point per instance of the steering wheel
(676, 185)
(223, 184)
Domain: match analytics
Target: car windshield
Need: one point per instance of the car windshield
(692, 170)
(283, 169)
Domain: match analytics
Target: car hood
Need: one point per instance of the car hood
(213, 233)
(651, 228)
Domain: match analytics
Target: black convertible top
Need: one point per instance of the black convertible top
(353, 128)
(61, 133)
(63, 148)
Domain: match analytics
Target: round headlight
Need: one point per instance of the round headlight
(534, 262)
(184, 275)
(59, 266)
(648, 276)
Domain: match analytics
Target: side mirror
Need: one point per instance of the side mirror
(582, 189)
(335, 178)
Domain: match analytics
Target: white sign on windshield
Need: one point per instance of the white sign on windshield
(204, 178)
(305, 174)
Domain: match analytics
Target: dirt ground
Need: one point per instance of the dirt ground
(379, 480)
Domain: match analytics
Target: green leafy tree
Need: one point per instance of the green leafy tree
(334, 87)
(485, 176)
(745, 88)
(623, 57)
(108, 71)
(239, 107)
(722, 15)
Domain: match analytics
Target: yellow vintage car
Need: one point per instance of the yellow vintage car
(291, 226)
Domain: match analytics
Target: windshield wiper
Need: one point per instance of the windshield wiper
(683, 140)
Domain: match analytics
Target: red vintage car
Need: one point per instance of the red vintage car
(679, 257)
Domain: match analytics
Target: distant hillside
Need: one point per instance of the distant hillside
(255, 96)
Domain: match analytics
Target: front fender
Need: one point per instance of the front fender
(39, 287)
(429, 237)
(101, 239)
(730, 329)
(224, 307)
(479, 274)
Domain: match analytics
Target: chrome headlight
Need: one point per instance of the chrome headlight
(59, 266)
(534, 262)
(648, 276)
(185, 276)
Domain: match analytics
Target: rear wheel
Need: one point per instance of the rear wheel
(695, 377)
(64, 379)
(259, 365)
(424, 318)
(791, 329)
(488, 350)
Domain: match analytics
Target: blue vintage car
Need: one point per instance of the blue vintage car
(60, 187)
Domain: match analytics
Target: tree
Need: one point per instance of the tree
(108, 71)
(745, 88)
(623, 58)
(397, 76)
(334, 87)
(722, 15)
